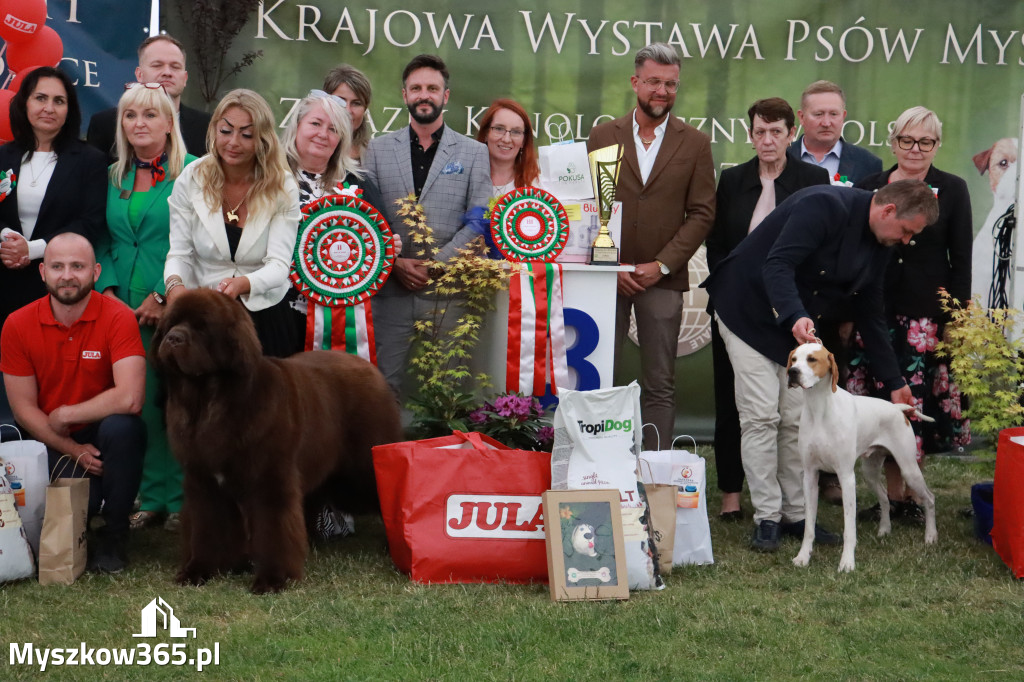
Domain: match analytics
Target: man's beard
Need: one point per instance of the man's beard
(428, 118)
(661, 110)
(70, 298)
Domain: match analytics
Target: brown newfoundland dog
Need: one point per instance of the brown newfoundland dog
(257, 437)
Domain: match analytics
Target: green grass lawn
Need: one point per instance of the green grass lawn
(951, 611)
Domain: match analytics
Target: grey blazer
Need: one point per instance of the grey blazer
(459, 179)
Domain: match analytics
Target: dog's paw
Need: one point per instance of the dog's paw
(802, 559)
(846, 564)
(192, 574)
(884, 529)
(268, 584)
(931, 537)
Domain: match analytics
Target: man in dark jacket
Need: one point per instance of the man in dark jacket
(823, 251)
(161, 60)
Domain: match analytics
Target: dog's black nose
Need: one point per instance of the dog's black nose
(175, 337)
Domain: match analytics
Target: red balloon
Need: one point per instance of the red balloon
(21, 19)
(20, 76)
(45, 48)
(5, 115)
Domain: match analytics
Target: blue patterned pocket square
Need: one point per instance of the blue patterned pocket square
(453, 168)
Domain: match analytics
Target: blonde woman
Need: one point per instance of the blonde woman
(234, 217)
(150, 156)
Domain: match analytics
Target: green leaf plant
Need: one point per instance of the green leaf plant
(988, 364)
(465, 286)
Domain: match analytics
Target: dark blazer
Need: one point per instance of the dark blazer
(855, 162)
(739, 188)
(669, 217)
(938, 257)
(75, 201)
(103, 126)
(813, 256)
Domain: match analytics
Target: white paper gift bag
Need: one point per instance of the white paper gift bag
(25, 466)
(565, 171)
(685, 470)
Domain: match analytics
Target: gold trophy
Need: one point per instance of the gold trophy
(604, 174)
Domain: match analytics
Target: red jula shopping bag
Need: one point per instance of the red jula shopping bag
(1008, 500)
(463, 509)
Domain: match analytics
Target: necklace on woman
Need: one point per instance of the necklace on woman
(232, 213)
(34, 175)
(497, 186)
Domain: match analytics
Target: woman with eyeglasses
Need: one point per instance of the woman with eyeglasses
(505, 129)
(234, 216)
(746, 194)
(939, 257)
(150, 156)
(51, 183)
(352, 85)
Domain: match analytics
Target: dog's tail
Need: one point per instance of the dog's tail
(910, 410)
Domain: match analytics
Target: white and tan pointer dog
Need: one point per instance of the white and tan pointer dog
(837, 428)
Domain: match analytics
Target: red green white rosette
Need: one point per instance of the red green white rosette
(529, 224)
(344, 252)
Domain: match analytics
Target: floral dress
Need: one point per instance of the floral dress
(927, 374)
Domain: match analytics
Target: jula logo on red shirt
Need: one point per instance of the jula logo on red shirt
(92, 355)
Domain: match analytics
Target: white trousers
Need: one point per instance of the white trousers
(769, 428)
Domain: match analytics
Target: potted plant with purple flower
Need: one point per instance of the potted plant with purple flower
(516, 420)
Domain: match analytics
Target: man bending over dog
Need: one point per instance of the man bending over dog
(818, 258)
(75, 374)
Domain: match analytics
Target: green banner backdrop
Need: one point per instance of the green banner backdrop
(569, 62)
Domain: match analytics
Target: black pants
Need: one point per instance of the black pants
(121, 440)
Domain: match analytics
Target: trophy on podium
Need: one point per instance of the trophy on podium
(604, 174)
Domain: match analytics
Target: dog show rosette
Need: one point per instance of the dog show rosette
(343, 255)
(530, 228)
(529, 224)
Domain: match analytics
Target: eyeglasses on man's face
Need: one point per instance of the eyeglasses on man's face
(654, 83)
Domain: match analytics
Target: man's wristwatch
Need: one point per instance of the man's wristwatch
(159, 299)
(664, 268)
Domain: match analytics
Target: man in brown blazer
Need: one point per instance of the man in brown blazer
(667, 189)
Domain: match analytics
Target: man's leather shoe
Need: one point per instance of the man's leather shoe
(766, 536)
(821, 536)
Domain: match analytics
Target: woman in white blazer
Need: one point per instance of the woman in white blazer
(234, 217)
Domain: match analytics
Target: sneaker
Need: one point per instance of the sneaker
(766, 537)
(107, 556)
(821, 536)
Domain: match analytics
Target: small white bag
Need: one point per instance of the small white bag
(686, 471)
(16, 561)
(26, 468)
(565, 171)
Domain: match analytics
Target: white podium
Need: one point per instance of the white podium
(588, 295)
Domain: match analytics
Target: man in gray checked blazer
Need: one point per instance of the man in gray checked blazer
(450, 174)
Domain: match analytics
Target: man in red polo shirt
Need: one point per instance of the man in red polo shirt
(75, 373)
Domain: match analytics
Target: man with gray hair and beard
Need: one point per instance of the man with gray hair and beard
(667, 189)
